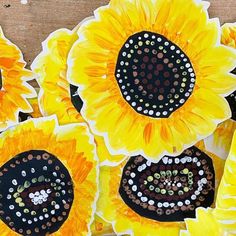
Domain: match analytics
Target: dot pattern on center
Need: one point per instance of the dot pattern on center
(36, 193)
(170, 190)
(154, 75)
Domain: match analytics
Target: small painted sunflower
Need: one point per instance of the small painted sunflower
(220, 220)
(48, 179)
(14, 90)
(144, 198)
(152, 75)
(56, 95)
(220, 141)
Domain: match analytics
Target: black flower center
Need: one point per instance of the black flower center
(36, 193)
(154, 75)
(170, 190)
(75, 98)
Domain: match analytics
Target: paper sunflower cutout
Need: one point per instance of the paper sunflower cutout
(219, 142)
(144, 198)
(222, 219)
(152, 75)
(14, 90)
(48, 180)
(56, 95)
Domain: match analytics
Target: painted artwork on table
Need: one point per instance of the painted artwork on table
(129, 130)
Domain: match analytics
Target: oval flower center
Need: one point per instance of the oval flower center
(170, 190)
(154, 75)
(36, 193)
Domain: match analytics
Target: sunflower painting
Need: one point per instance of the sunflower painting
(161, 64)
(220, 141)
(48, 180)
(14, 89)
(57, 95)
(144, 198)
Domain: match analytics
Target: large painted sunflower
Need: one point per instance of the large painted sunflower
(222, 219)
(143, 198)
(220, 141)
(56, 95)
(48, 179)
(152, 75)
(14, 90)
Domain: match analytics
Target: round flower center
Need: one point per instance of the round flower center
(154, 75)
(170, 190)
(36, 193)
(232, 103)
(75, 98)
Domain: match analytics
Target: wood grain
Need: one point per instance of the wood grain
(28, 25)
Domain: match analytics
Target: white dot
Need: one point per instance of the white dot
(133, 104)
(139, 109)
(166, 204)
(176, 160)
(151, 112)
(151, 202)
(23, 173)
(145, 35)
(11, 207)
(18, 214)
(139, 194)
(159, 204)
(134, 188)
(130, 181)
(32, 170)
(172, 47)
(128, 98)
(31, 195)
(144, 199)
(164, 113)
(11, 190)
(187, 202)
(30, 222)
(180, 204)
(41, 217)
(193, 197)
(201, 172)
(35, 219)
(132, 175)
(23, 219)
(14, 182)
(179, 185)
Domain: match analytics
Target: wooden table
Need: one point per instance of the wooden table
(29, 24)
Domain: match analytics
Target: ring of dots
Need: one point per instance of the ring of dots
(36, 193)
(170, 190)
(154, 75)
